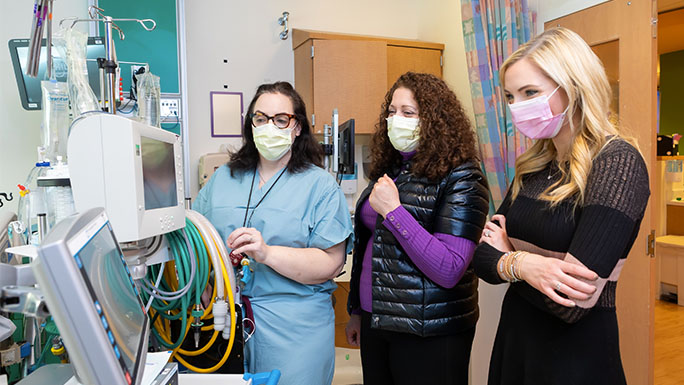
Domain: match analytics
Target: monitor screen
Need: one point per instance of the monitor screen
(109, 151)
(92, 298)
(29, 87)
(159, 177)
(346, 150)
(114, 294)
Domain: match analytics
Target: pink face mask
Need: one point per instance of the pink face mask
(534, 117)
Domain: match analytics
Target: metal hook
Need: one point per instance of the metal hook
(142, 22)
(98, 11)
(122, 36)
(94, 11)
(74, 18)
(283, 21)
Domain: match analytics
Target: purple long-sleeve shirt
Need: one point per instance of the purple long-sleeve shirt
(441, 257)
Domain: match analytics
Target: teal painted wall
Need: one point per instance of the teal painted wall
(672, 93)
(159, 47)
(173, 127)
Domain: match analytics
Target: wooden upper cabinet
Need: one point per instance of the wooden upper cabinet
(352, 73)
(403, 59)
(344, 74)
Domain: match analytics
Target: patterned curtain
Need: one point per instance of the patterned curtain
(493, 30)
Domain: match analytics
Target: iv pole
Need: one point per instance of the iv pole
(110, 63)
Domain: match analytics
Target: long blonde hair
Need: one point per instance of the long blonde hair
(566, 59)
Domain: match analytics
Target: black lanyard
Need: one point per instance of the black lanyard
(249, 200)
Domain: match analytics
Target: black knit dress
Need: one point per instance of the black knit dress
(539, 341)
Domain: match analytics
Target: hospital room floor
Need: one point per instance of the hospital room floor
(347, 367)
(669, 343)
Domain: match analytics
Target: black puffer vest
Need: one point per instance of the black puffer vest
(404, 299)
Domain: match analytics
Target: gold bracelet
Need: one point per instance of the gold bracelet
(502, 266)
(514, 259)
(502, 262)
(518, 266)
(507, 267)
(506, 260)
(506, 264)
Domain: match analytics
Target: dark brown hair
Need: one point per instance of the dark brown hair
(446, 137)
(305, 150)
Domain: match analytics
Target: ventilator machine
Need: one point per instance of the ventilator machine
(109, 269)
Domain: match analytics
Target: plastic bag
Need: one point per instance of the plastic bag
(149, 99)
(72, 46)
(55, 127)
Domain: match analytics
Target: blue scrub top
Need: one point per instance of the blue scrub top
(302, 210)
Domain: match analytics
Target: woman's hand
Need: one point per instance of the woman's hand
(353, 330)
(249, 241)
(385, 196)
(552, 276)
(496, 236)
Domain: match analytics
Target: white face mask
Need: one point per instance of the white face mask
(272, 142)
(403, 132)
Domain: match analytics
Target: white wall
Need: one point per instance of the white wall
(20, 129)
(553, 9)
(441, 22)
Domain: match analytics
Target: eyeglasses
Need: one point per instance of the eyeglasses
(280, 120)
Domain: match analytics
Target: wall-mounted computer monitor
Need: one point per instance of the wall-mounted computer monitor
(346, 147)
(133, 170)
(91, 296)
(30, 92)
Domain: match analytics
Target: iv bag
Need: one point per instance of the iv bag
(72, 46)
(149, 99)
(55, 127)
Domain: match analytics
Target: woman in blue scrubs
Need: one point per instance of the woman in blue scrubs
(275, 203)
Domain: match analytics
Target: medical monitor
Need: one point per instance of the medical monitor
(346, 147)
(92, 298)
(131, 169)
(30, 92)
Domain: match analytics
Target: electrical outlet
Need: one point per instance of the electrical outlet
(169, 109)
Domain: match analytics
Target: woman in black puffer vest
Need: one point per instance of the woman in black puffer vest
(413, 298)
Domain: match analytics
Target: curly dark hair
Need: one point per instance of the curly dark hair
(446, 137)
(305, 150)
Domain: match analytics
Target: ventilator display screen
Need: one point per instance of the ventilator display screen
(115, 297)
(159, 176)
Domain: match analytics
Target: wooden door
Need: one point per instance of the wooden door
(349, 75)
(401, 59)
(624, 36)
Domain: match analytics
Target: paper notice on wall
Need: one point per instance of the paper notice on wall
(226, 114)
